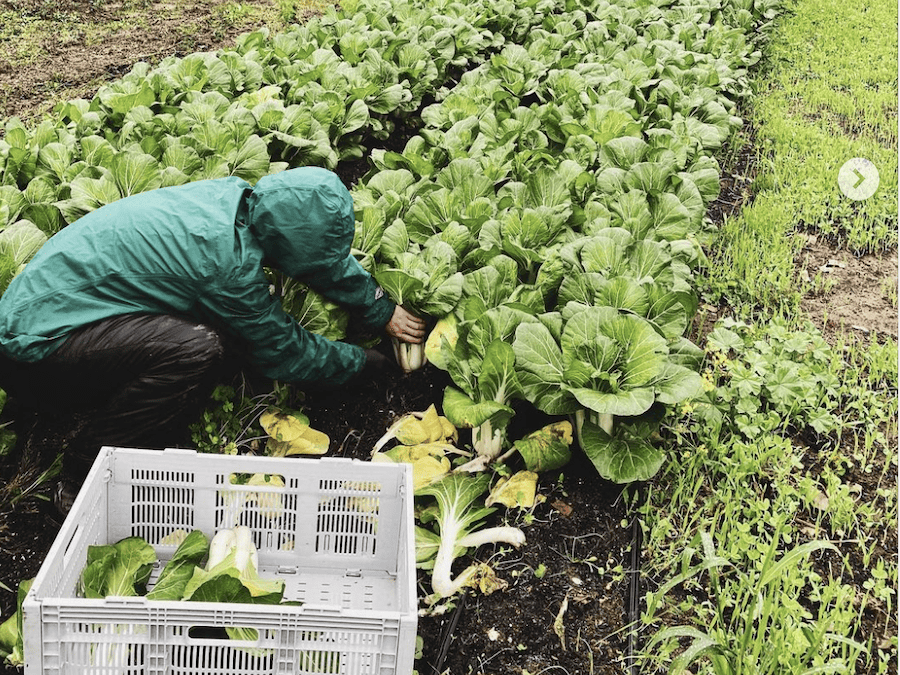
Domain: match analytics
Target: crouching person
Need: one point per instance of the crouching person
(118, 329)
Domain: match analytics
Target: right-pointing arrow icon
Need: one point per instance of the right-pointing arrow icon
(858, 178)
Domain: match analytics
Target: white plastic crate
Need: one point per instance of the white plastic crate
(340, 533)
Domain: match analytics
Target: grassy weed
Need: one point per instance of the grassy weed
(756, 622)
(23, 34)
(20, 35)
(781, 488)
(828, 94)
(233, 14)
(754, 258)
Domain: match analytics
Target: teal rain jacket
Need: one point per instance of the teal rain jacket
(198, 250)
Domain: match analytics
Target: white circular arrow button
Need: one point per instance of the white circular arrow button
(858, 178)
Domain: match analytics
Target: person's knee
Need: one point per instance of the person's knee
(204, 346)
(179, 353)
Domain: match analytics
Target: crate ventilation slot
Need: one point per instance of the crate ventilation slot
(347, 517)
(159, 503)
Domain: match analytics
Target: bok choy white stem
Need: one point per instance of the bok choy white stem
(602, 420)
(459, 516)
(409, 356)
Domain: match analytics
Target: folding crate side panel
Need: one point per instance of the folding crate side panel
(312, 513)
(136, 637)
(86, 525)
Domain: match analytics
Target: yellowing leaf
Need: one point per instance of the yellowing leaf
(174, 538)
(481, 576)
(364, 504)
(516, 491)
(418, 427)
(449, 431)
(427, 459)
(413, 430)
(410, 431)
(317, 440)
(547, 448)
(562, 431)
(429, 469)
(309, 442)
(445, 329)
(488, 581)
(412, 453)
(282, 426)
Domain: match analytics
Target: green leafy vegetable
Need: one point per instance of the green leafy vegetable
(178, 571)
(12, 649)
(122, 568)
(231, 573)
(458, 516)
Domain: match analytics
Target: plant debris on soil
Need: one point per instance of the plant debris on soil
(576, 552)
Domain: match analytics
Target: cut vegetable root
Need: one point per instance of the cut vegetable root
(488, 444)
(409, 357)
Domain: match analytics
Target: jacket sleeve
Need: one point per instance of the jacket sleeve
(278, 346)
(348, 284)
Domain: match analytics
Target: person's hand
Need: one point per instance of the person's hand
(377, 364)
(405, 327)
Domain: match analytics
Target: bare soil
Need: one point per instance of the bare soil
(856, 297)
(566, 606)
(98, 40)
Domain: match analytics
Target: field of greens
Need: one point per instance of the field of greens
(602, 207)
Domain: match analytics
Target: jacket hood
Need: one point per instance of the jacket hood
(303, 219)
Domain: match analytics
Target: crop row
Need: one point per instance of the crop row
(548, 212)
(546, 215)
(549, 205)
(549, 209)
(310, 95)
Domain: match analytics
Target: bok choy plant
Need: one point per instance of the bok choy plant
(120, 569)
(12, 647)
(535, 217)
(458, 517)
(422, 278)
(18, 244)
(483, 368)
(604, 365)
(232, 572)
(650, 279)
(311, 310)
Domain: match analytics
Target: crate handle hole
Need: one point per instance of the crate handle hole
(243, 636)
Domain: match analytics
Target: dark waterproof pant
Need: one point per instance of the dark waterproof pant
(133, 381)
